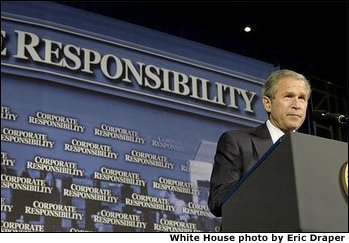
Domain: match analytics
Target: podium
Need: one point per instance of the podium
(297, 186)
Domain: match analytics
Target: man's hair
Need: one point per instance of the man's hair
(270, 85)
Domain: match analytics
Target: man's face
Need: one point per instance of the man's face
(288, 107)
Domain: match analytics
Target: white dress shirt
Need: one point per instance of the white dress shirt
(275, 132)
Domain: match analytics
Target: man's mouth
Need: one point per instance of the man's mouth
(295, 115)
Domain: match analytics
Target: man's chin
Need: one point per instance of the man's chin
(294, 126)
(295, 121)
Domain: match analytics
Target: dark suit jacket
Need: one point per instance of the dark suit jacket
(237, 152)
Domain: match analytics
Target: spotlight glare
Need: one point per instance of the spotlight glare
(247, 29)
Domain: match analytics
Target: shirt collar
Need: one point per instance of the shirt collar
(275, 132)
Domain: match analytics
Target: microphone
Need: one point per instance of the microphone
(321, 115)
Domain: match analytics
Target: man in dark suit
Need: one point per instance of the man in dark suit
(285, 99)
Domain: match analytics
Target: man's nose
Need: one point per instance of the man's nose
(296, 104)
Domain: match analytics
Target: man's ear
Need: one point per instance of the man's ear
(267, 104)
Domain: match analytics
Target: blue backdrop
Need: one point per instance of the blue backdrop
(145, 156)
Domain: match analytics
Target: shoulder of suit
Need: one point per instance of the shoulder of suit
(251, 130)
(241, 131)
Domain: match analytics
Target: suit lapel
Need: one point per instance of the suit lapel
(261, 140)
(261, 145)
